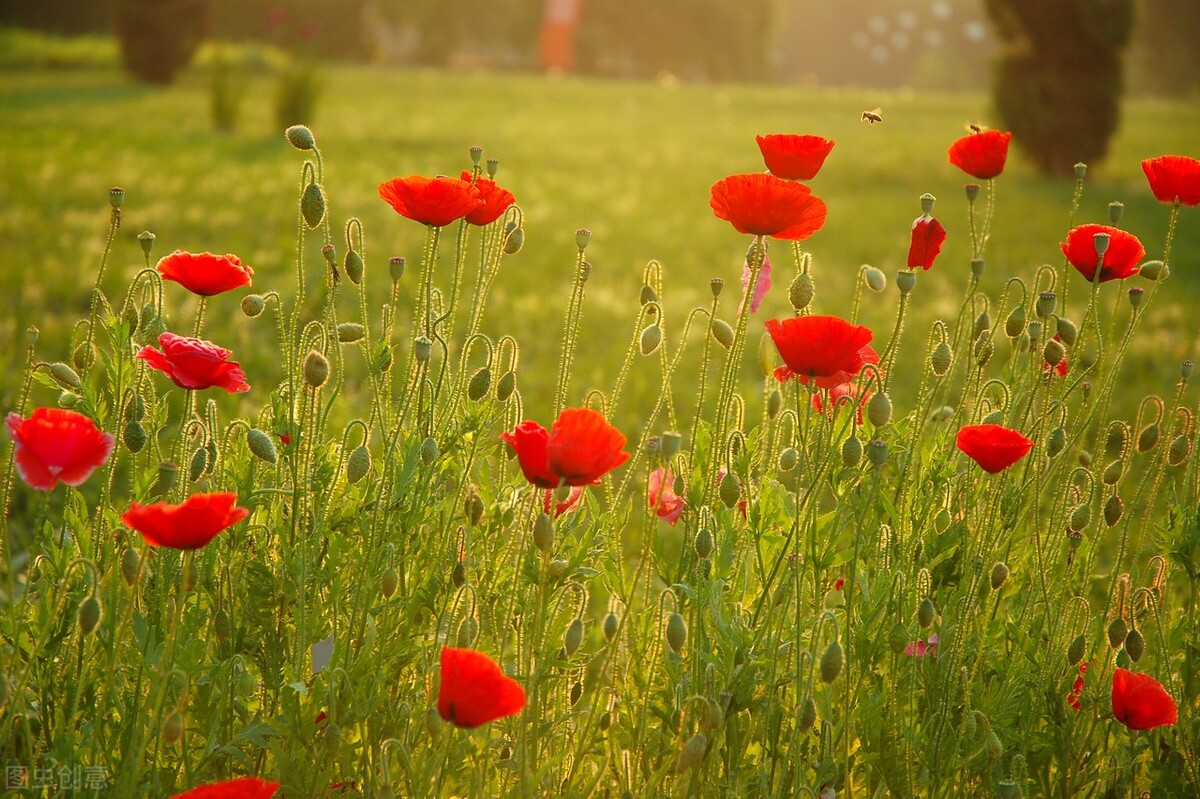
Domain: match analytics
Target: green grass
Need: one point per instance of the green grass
(633, 162)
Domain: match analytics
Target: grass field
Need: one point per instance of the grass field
(632, 162)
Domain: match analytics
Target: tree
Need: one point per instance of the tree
(1059, 81)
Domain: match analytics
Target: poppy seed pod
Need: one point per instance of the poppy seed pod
(146, 240)
(703, 544)
(650, 339)
(676, 632)
(879, 409)
(582, 237)
(396, 266)
(852, 452)
(611, 626)
(358, 464)
(389, 582)
(788, 459)
(1101, 241)
(730, 490)
(1080, 170)
(999, 575)
(940, 358)
(877, 452)
(1136, 295)
(972, 191)
(330, 253)
(1153, 270)
(802, 291)
(429, 451)
(1075, 650)
(168, 473)
(875, 279)
(1014, 325)
(353, 266)
(135, 436)
(1135, 645)
(573, 637)
(1117, 630)
(671, 443)
(350, 332)
(906, 281)
(715, 286)
(116, 197)
(89, 614)
(312, 205)
(722, 332)
(1114, 508)
(300, 137)
(543, 533)
(422, 349)
(1185, 369)
(1115, 211)
(692, 752)
(261, 445)
(927, 202)
(926, 612)
(493, 166)
(832, 660)
(807, 715)
(316, 369)
(505, 386)
(479, 384)
(1045, 305)
(131, 565)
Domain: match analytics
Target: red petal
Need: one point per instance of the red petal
(474, 691)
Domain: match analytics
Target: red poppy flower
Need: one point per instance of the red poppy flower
(583, 447)
(920, 649)
(190, 525)
(1174, 179)
(1140, 702)
(981, 155)
(244, 788)
(993, 447)
(194, 363)
(572, 502)
(825, 349)
(1077, 689)
(431, 201)
(54, 445)
(836, 393)
(474, 690)
(794, 157)
(529, 440)
(204, 273)
(496, 201)
(660, 494)
(928, 235)
(764, 205)
(1120, 259)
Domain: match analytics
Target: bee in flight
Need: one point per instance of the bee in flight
(873, 116)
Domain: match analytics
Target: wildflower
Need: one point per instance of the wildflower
(473, 690)
(835, 395)
(194, 363)
(243, 788)
(662, 497)
(993, 447)
(496, 201)
(579, 449)
(928, 235)
(1077, 688)
(190, 525)
(1120, 259)
(204, 273)
(431, 201)
(760, 288)
(572, 502)
(764, 205)
(981, 155)
(825, 349)
(1140, 702)
(55, 444)
(794, 157)
(1174, 179)
(920, 649)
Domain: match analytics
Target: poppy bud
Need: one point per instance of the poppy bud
(730, 490)
(1014, 325)
(1053, 352)
(766, 354)
(898, 638)
(774, 403)
(879, 409)
(651, 338)
(832, 660)
(458, 575)
(789, 457)
(66, 376)
(422, 348)
(433, 723)
(977, 265)
(312, 205)
(927, 201)
(711, 717)
(350, 332)
(300, 137)
(473, 509)
(146, 240)
(939, 359)
(1185, 369)
(172, 729)
(253, 305)
(383, 357)
(1085, 458)
(999, 575)
(466, 633)
(131, 564)
(358, 464)
(877, 452)
(1136, 294)
(808, 714)
(703, 543)
(1056, 441)
(995, 417)
(135, 436)
(353, 266)
(191, 575)
(993, 745)
(396, 268)
(316, 369)
(582, 237)
(1117, 630)
(648, 294)
(983, 322)
(1153, 270)
(1113, 510)
(505, 386)
(715, 285)
(611, 626)
(802, 291)
(941, 522)
(676, 632)
(1135, 645)
(1075, 651)
(558, 569)
(68, 400)
(389, 582)
(692, 752)
(543, 533)
(89, 614)
(261, 445)
(972, 191)
(220, 622)
(722, 332)
(198, 465)
(1067, 331)
(906, 281)
(852, 452)
(429, 451)
(573, 637)
(1046, 302)
(167, 474)
(983, 348)
(1112, 473)
(926, 612)
(480, 384)
(1178, 451)
(875, 279)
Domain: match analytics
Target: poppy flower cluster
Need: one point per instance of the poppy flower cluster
(195, 364)
(1174, 179)
(204, 273)
(827, 350)
(1120, 259)
(660, 494)
(57, 445)
(981, 154)
(473, 690)
(793, 157)
(432, 201)
(764, 205)
(1140, 702)
(578, 449)
(992, 446)
(189, 525)
(242, 788)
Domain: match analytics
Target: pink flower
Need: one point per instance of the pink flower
(920, 649)
(760, 289)
(662, 497)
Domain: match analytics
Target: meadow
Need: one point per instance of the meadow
(590, 525)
